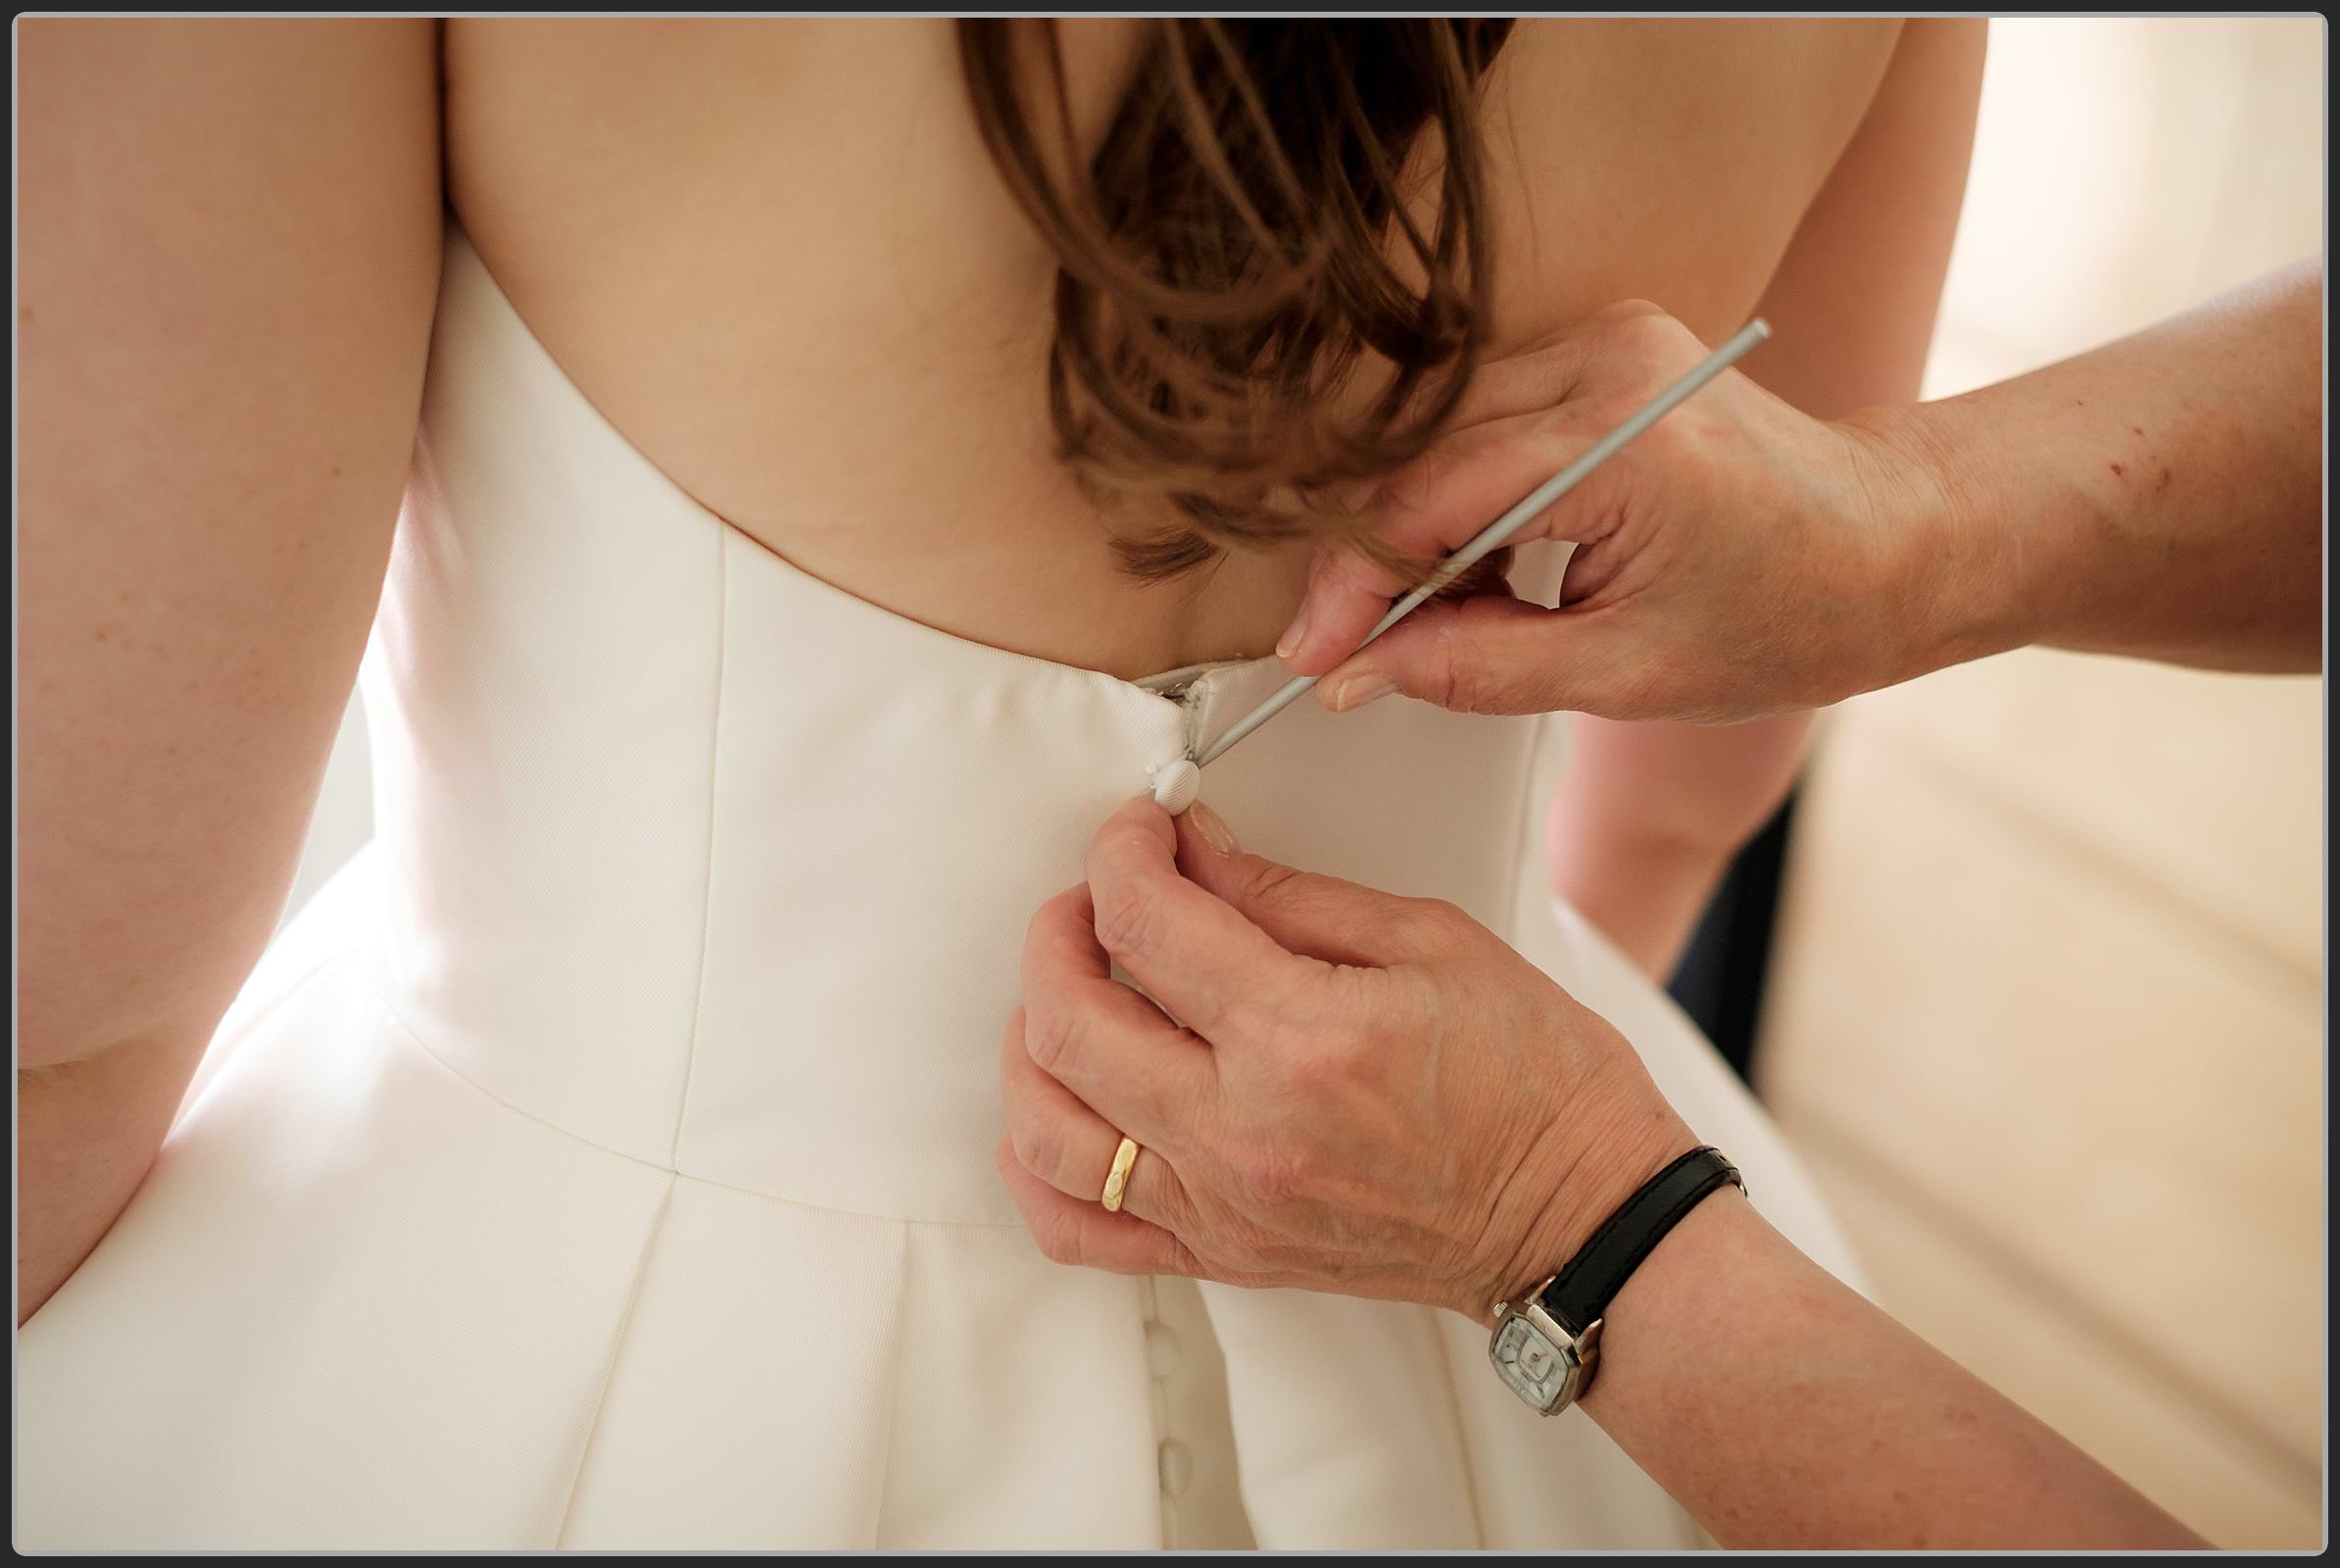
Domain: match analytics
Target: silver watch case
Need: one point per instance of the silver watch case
(1538, 1358)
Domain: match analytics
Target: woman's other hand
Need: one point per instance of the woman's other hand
(1369, 1094)
(1739, 560)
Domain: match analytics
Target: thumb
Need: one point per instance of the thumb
(1497, 655)
(1315, 917)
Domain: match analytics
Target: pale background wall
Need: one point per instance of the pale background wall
(2048, 1010)
(2047, 1015)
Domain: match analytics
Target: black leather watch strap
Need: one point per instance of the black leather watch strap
(1582, 1292)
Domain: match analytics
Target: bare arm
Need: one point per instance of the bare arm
(2159, 497)
(1871, 1437)
(1650, 813)
(230, 249)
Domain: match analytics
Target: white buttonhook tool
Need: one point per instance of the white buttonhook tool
(1491, 537)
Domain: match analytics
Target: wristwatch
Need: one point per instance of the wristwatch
(1548, 1345)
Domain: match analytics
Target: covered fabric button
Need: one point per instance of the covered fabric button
(1175, 785)
(1161, 1350)
(1178, 1467)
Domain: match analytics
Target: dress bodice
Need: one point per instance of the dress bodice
(721, 867)
(606, 1157)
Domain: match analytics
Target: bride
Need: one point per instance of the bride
(841, 462)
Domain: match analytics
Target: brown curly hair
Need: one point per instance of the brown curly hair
(1251, 308)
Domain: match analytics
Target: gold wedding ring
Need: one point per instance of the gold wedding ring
(1117, 1180)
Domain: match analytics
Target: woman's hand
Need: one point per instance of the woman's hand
(1740, 559)
(1371, 1095)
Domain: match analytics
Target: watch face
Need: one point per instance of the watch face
(1536, 1369)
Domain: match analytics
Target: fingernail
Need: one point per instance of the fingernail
(1355, 690)
(1214, 831)
(1293, 635)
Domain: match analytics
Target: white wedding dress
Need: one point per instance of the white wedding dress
(606, 1157)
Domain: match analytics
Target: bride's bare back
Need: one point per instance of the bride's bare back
(777, 255)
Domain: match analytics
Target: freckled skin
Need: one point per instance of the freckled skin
(231, 235)
(2219, 568)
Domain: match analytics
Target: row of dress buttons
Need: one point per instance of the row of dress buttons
(1174, 1464)
(1177, 1467)
(1175, 785)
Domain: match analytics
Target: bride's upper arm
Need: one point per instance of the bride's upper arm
(1853, 301)
(228, 253)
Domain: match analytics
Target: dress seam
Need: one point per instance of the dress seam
(895, 1416)
(414, 1038)
(682, 1104)
(617, 1344)
(707, 898)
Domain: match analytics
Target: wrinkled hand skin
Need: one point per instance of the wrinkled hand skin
(1738, 560)
(1335, 1089)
